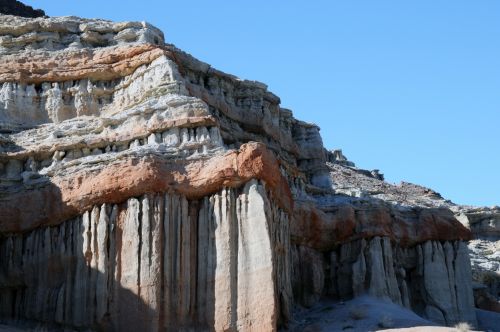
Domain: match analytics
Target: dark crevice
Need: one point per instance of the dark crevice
(139, 250)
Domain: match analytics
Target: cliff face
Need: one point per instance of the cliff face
(483, 222)
(485, 254)
(155, 262)
(158, 193)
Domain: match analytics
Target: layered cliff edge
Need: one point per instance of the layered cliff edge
(483, 222)
(141, 188)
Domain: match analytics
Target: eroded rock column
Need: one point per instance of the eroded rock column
(157, 262)
(433, 278)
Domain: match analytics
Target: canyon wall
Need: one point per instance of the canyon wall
(143, 189)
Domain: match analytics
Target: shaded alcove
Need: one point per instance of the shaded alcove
(112, 269)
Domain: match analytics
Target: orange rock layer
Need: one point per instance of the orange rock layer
(73, 194)
(100, 64)
(68, 196)
(314, 228)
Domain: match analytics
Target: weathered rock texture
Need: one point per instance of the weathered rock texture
(485, 253)
(141, 189)
(153, 262)
(425, 278)
(483, 222)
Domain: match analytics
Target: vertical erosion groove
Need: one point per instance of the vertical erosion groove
(424, 278)
(157, 262)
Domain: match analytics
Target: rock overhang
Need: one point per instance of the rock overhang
(77, 190)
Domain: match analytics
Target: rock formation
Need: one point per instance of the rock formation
(483, 222)
(153, 262)
(13, 7)
(142, 189)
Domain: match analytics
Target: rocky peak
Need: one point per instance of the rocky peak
(337, 157)
(16, 8)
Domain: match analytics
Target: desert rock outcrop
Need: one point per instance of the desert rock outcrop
(142, 188)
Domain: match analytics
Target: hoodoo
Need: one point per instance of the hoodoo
(143, 190)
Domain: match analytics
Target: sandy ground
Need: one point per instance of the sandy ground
(369, 314)
(362, 314)
(488, 321)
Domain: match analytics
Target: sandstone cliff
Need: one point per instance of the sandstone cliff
(143, 189)
(483, 222)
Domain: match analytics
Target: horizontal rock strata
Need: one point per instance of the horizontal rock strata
(482, 223)
(346, 220)
(78, 191)
(142, 189)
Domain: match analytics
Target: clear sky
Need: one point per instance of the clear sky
(408, 87)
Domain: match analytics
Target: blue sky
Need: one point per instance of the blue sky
(409, 87)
